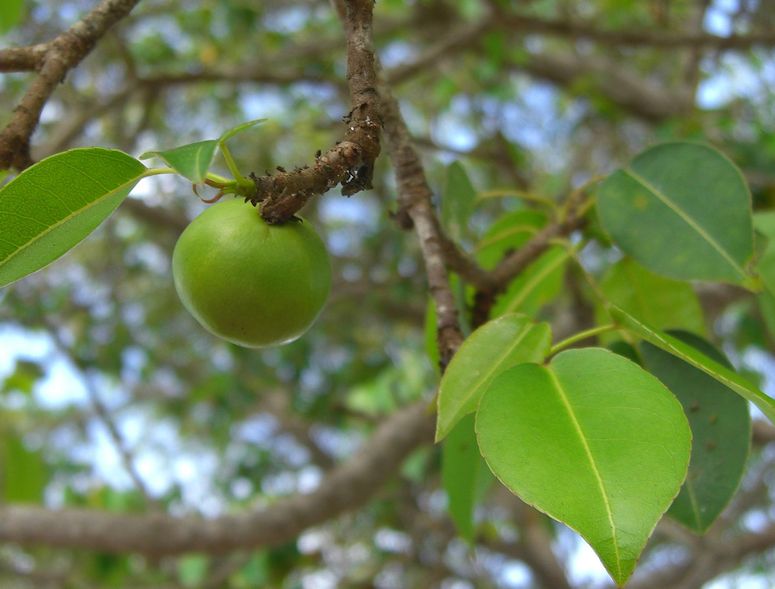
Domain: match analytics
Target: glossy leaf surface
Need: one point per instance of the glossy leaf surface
(697, 359)
(190, 161)
(53, 205)
(491, 349)
(540, 282)
(592, 440)
(683, 210)
(721, 432)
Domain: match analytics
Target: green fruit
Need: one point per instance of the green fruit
(249, 282)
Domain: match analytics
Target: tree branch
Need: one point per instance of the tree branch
(516, 262)
(416, 209)
(347, 487)
(351, 161)
(61, 55)
(22, 59)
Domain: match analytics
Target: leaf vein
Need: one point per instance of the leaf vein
(498, 361)
(533, 283)
(67, 218)
(686, 218)
(593, 464)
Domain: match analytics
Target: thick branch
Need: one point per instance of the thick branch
(62, 54)
(346, 488)
(351, 161)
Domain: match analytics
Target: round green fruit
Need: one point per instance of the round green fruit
(249, 282)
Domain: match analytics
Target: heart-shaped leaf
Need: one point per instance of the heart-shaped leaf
(682, 210)
(592, 440)
(494, 347)
(51, 206)
(721, 432)
(696, 358)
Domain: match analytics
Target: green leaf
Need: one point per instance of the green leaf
(457, 202)
(190, 161)
(538, 284)
(662, 302)
(592, 440)
(464, 475)
(226, 135)
(10, 14)
(489, 350)
(766, 303)
(697, 359)
(24, 473)
(510, 232)
(682, 210)
(53, 205)
(721, 432)
(766, 268)
(765, 224)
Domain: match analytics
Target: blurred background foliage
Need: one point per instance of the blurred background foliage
(112, 397)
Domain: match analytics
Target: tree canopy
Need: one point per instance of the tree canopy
(546, 357)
